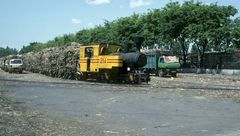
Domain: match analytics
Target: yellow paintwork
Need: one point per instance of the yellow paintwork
(100, 58)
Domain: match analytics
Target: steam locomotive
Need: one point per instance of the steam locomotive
(113, 63)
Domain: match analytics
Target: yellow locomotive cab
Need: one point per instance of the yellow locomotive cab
(96, 61)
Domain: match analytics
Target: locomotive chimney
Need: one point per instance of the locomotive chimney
(127, 46)
(138, 40)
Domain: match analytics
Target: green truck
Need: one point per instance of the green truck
(162, 63)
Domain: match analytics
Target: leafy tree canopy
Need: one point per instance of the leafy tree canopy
(7, 51)
(204, 26)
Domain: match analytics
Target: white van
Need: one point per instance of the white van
(15, 65)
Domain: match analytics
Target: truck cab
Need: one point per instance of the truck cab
(168, 65)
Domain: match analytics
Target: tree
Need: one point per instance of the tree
(128, 26)
(211, 27)
(235, 34)
(176, 19)
(32, 47)
(198, 24)
(7, 51)
(83, 36)
(206, 27)
(151, 23)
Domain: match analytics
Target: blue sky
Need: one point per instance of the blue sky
(25, 21)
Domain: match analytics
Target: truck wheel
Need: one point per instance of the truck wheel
(160, 73)
(174, 75)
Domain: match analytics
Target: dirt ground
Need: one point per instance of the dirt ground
(18, 119)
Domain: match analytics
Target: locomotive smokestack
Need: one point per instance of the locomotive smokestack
(138, 40)
(126, 46)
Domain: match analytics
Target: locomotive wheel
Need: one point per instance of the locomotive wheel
(131, 78)
(83, 77)
(137, 80)
(102, 78)
(106, 76)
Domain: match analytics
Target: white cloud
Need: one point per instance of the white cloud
(76, 21)
(97, 2)
(139, 3)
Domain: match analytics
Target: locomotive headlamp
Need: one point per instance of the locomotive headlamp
(128, 68)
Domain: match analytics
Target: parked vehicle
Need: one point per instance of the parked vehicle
(15, 65)
(12, 64)
(162, 63)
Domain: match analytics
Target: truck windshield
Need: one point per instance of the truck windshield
(170, 59)
(16, 61)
